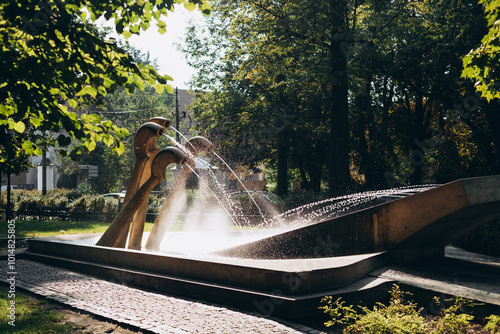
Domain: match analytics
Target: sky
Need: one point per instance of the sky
(162, 47)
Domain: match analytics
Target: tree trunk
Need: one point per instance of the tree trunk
(417, 137)
(338, 165)
(339, 172)
(283, 149)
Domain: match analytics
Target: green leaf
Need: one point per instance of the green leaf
(108, 82)
(159, 88)
(91, 145)
(19, 127)
(94, 118)
(190, 6)
(36, 121)
(170, 89)
(28, 147)
(88, 90)
(83, 15)
(127, 34)
(72, 103)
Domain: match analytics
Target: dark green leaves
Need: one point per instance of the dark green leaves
(52, 61)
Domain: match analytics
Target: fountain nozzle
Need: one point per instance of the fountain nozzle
(165, 157)
(161, 121)
(145, 139)
(198, 143)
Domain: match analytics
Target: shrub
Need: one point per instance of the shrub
(58, 201)
(29, 200)
(80, 204)
(90, 203)
(493, 324)
(453, 319)
(154, 203)
(341, 315)
(111, 204)
(402, 316)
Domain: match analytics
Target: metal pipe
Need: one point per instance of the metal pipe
(145, 148)
(139, 219)
(165, 157)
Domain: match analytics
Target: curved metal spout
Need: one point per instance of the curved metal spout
(161, 121)
(145, 139)
(145, 148)
(165, 157)
(195, 145)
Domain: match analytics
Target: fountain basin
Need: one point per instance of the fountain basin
(416, 226)
(290, 276)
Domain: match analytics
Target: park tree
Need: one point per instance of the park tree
(482, 64)
(408, 114)
(53, 60)
(286, 58)
(406, 68)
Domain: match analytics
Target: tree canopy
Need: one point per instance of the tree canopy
(53, 61)
(483, 63)
(372, 97)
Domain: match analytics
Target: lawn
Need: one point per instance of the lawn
(31, 315)
(37, 228)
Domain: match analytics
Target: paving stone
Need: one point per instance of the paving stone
(157, 313)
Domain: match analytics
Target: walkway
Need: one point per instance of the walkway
(147, 311)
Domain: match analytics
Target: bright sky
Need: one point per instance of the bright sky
(162, 47)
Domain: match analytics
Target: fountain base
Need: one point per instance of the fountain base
(288, 288)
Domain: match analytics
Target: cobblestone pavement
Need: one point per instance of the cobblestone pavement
(148, 311)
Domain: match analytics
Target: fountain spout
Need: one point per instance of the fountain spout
(139, 219)
(195, 145)
(165, 157)
(161, 121)
(199, 144)
(145, 148)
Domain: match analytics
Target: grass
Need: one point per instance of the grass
(36, 228)
(31, 315)
(45, 228)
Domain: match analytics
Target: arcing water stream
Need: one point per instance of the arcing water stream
(301, 216)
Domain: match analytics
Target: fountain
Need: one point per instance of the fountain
(331, 247)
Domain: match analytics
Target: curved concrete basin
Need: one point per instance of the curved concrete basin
(419, 225)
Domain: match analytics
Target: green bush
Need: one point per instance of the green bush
(154, 203)
(14, 197)
(402, 316)
(88, 203)
(493, 324)
(28, 201)
(111, 204)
